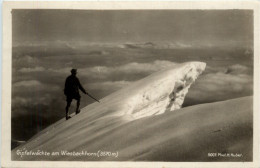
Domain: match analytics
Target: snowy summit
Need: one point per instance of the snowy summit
(156, 94)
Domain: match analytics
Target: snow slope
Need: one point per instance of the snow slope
(153, 95)
(188, 134)
(117, 124)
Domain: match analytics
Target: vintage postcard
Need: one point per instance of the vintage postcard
(130, 84)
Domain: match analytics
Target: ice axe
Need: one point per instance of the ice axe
(92, 97)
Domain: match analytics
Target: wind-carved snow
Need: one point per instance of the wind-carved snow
(162, 92)
(158, 93)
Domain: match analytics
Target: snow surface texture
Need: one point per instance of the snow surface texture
(163, 91)
(156, 94)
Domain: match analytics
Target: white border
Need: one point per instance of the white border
(7, 71)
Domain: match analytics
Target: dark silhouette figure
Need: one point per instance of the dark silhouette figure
(72, 86)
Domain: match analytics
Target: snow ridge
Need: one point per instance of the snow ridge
(164, 91)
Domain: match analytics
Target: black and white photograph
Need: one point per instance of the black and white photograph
(132, 85)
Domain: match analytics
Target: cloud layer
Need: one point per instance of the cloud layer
(226, 83)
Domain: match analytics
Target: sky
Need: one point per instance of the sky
(112, 49)
(188, 26)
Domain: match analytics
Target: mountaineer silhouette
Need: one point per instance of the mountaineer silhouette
(71, 90)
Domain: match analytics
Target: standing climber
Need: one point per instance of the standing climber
(72, 86)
